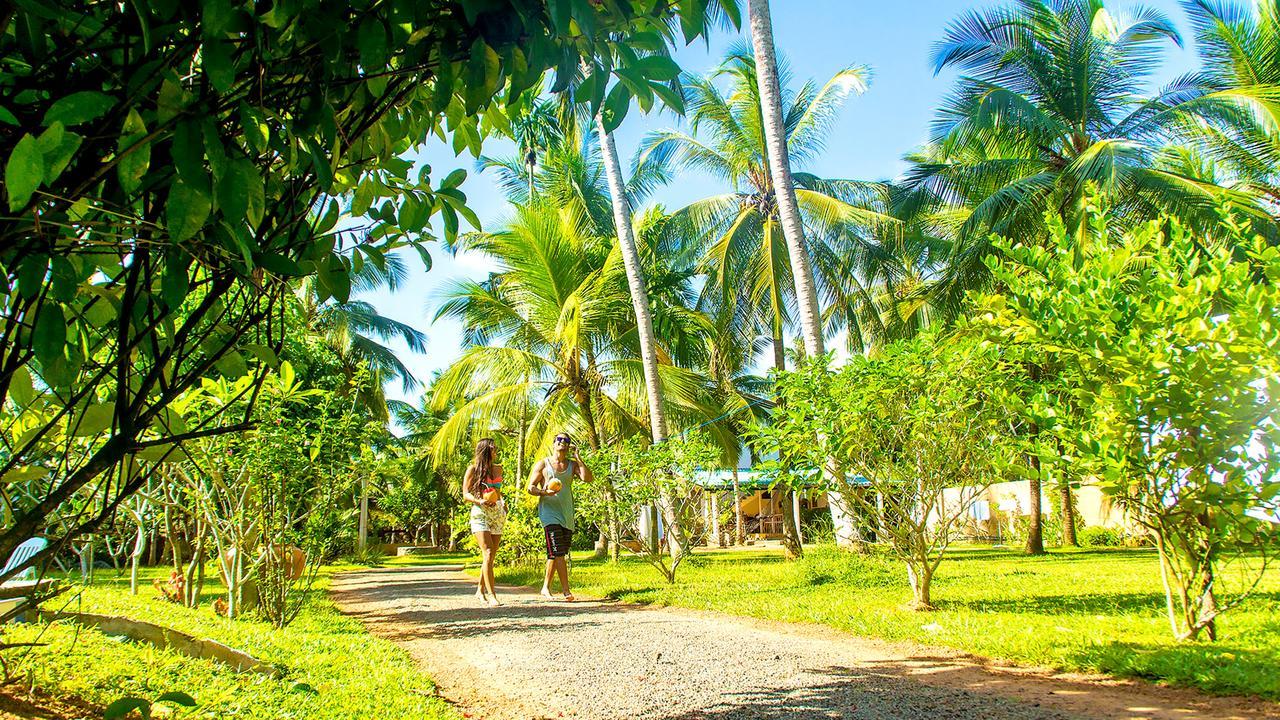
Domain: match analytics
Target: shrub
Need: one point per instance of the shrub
(1101, 537)
(828, 564)
(816, 526)
(522, 539)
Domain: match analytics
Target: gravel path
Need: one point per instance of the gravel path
(611, 661)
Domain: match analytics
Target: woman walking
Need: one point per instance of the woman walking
(481, 487)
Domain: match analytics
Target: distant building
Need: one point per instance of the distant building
(991, 515)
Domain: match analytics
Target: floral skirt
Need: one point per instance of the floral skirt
(489, 518)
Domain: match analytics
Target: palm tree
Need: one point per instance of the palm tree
(358, 333)
(739, 235)
(1048, 107)
(552, 324)
(1240, 119)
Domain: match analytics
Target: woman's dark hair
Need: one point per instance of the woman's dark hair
(482, 464)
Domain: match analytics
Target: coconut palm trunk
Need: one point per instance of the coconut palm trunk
(644, 320)
(791, 547)
(789, 214)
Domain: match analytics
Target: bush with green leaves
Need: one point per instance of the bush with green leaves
(636, 479)
(1097, 537)
(1169, 352)
(919, 418)
(170, 168)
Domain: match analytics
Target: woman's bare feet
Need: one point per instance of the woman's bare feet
(546, 593)
(568, 597)
(493, 601)
(482, 596)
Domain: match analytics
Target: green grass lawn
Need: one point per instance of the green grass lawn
(1099, 611)
(352, 674)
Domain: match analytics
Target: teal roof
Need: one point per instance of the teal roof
(753, 479)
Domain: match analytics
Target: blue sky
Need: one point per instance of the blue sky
(818, 38)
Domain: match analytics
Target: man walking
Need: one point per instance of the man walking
(551, 480)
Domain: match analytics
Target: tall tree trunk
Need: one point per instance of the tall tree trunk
(644, 321)
(635, 282)
(1035, 534)
(791, 547)
(775, 136)
(739, 532)
(1068, 517)
(780, 173)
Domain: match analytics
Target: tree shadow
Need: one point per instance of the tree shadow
(462, 616)
(878, 691)
(1090, 604)
(1216, 668)
(1095, 604)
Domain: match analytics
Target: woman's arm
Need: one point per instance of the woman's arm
(466, 492)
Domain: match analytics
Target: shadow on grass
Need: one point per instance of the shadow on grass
(1216, 668)
(1090, 604)
(1054, 556)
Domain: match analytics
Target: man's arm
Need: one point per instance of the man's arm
(581, 470)
(536, 479)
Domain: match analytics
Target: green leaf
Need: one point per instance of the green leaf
(187, 210)
(233, 196)
(671, 98)
(232, 365)
(23, 171)
(50, 333)
(732, 12)
(21, 389)
(175, 282)
(483, 73)
(171, 101)
(157, 453)
(77, 108)
(255, 127)
(241, 193)
(334, 279)
(217, 15)
(95, 419)
(363, 198)
(7, 117)
(65, 281)
(330, 219)
(278, 264)
(24, 474)
(31, 275)
(177, 698)
(319, 161)
(131, 167)
(615, 107)
(218, 63)
(187, 150)
(372, 41)
(264, 354)
(658, 67)
(454, 179)
(58, 148)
